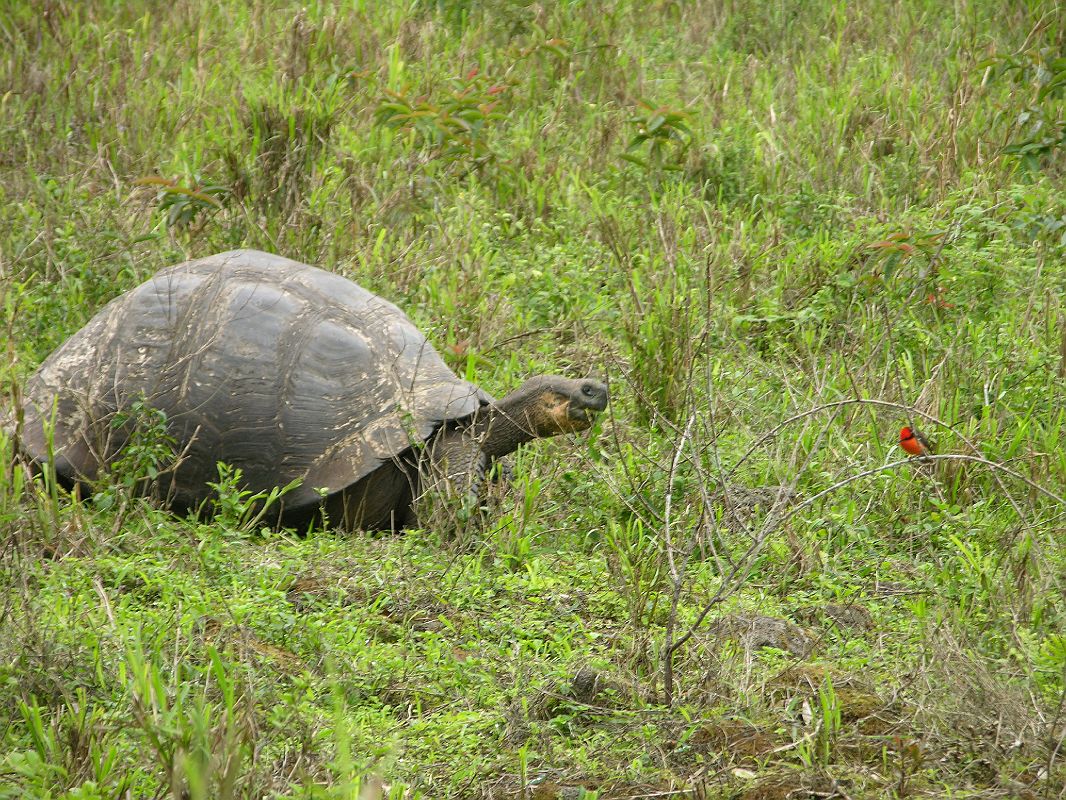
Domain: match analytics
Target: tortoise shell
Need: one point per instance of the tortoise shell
(282, 369)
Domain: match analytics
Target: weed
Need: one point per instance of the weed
(1039, 129)
(147, 452)
(285, 143)
(663, 335)
(636, 561)
(664, 134)
(237, 509)
(456, 128)
(183, 205)
(512, 533)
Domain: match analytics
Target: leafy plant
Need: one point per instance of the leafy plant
(201, 744)
(636, 560)
(1039, 129)
(183, 205)
(512, 532)
(72, 750)
(456, 128)
(664, 336)
(663, 134)
(829, 722)
(240, 510)
(146, 453)
(901, 247)
(287, 137)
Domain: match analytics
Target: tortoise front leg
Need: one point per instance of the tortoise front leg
(453, 474)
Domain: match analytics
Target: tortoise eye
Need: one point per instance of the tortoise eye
(588, 390)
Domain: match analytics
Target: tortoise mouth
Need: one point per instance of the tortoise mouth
(577, 417)
(584, 405)
(568, 417)
(581, 416)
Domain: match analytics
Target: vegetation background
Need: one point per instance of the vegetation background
(781, 230)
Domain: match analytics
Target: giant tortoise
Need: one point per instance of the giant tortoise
(289, 373)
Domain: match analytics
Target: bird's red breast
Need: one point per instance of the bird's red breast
(914, 442)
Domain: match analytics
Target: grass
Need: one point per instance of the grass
(781, 231)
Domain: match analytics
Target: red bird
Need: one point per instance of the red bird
(914, 442)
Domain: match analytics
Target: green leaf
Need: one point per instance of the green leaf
(1056, 83)
(397, 108)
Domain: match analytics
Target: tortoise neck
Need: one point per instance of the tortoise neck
(504, 426)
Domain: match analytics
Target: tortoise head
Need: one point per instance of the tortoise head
(549, 405)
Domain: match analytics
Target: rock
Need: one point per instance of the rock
(846, 616)
(586, 684)
(756, 630)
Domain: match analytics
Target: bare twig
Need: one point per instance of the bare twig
(676, 578)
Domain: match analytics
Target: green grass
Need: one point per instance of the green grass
(781, 231)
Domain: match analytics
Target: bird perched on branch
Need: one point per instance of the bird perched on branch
(914, 442)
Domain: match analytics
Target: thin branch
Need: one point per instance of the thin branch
(670, 495)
